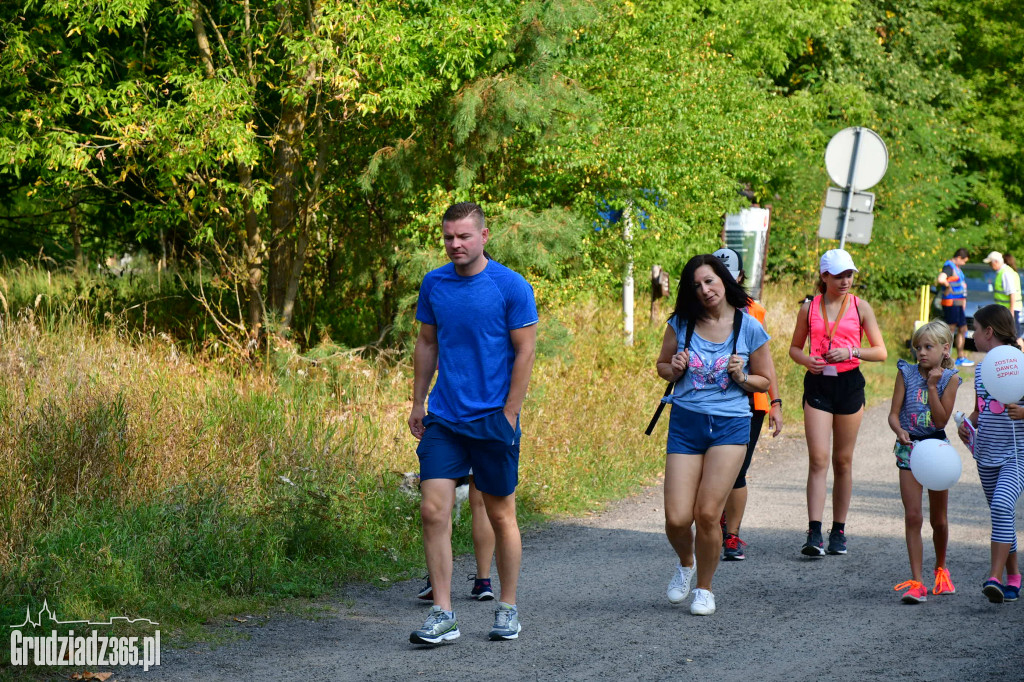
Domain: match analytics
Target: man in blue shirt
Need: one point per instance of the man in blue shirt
(479, 330)
(954, 302)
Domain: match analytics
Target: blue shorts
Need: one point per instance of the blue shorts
(693, 433)
(954, 314)
(488, 446)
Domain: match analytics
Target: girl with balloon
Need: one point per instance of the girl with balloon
(999, 383)
(922, 403)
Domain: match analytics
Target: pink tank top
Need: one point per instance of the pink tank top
(847, 333)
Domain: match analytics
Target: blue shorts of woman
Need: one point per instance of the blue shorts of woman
(693, 433)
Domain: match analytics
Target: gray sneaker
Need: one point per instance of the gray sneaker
(439, 627)
(506, 623)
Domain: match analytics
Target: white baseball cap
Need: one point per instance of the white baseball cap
(995, 255)
(836, 262)
(731, 260)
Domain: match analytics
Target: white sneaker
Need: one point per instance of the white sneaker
(703, 603)
(679, 587)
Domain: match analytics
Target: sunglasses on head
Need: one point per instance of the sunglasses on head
(993, 405)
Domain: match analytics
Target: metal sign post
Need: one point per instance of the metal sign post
(856, 159)
(849, 187)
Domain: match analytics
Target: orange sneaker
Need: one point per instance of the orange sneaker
(916, 594)
(943, 583)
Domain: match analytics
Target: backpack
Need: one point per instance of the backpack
(737, 323)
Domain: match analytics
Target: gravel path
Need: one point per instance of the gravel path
(592, 601)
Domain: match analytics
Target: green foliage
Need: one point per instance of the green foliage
(889, 70)
(993, 65)
(305, 156)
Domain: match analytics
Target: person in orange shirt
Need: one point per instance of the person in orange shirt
(769, 404)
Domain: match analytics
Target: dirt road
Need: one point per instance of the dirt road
(593, 606)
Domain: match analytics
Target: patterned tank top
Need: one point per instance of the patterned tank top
(915, 414)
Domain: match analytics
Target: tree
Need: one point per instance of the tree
(226, 115)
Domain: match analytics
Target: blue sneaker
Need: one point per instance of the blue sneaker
(815, 545)
(836, 542)
(481, 588)
(994, 590)
(963, 362)
(439, 627)
(1010, 593)
(506, 623)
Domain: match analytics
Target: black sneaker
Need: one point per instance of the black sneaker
(733, 548)
(815, 545)
(836, 542)
(426, 592)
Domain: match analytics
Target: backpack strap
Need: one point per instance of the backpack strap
(860, 320)
(810, 304)
(737, 324)
(690, 324)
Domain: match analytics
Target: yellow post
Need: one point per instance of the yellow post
(922, 307)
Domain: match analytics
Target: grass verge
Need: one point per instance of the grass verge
(139, 480)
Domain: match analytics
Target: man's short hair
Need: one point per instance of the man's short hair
(962, 253)
(464, 209)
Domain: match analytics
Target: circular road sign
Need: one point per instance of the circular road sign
(872, 158)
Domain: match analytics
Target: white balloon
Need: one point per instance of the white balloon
(1002, 374)
(935, 464)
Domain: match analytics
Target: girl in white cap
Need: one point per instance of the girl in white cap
(836, 321)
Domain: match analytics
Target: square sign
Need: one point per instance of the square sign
(746, 233)
(858, 228)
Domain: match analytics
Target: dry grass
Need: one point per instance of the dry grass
(183, 479)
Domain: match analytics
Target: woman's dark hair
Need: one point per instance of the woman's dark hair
(688, 307)
(1001, 320)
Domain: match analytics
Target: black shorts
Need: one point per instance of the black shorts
(843, 394)
(954, 315)
(756, 422)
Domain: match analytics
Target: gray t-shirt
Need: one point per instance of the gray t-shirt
(706, 387)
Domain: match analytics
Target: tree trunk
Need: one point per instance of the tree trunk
(253, 254)
(292, 290)
(284, 212)
(253, 248)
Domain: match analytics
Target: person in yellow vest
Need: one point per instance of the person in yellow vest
(1006, 287)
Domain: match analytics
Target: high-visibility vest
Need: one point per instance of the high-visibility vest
(1001, 295)
(957, 289)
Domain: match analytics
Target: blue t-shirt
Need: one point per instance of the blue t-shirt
(474, 316)
(706, 387)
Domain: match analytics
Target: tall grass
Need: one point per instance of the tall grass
(139, 479)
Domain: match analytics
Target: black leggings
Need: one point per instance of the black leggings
(756, 422)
